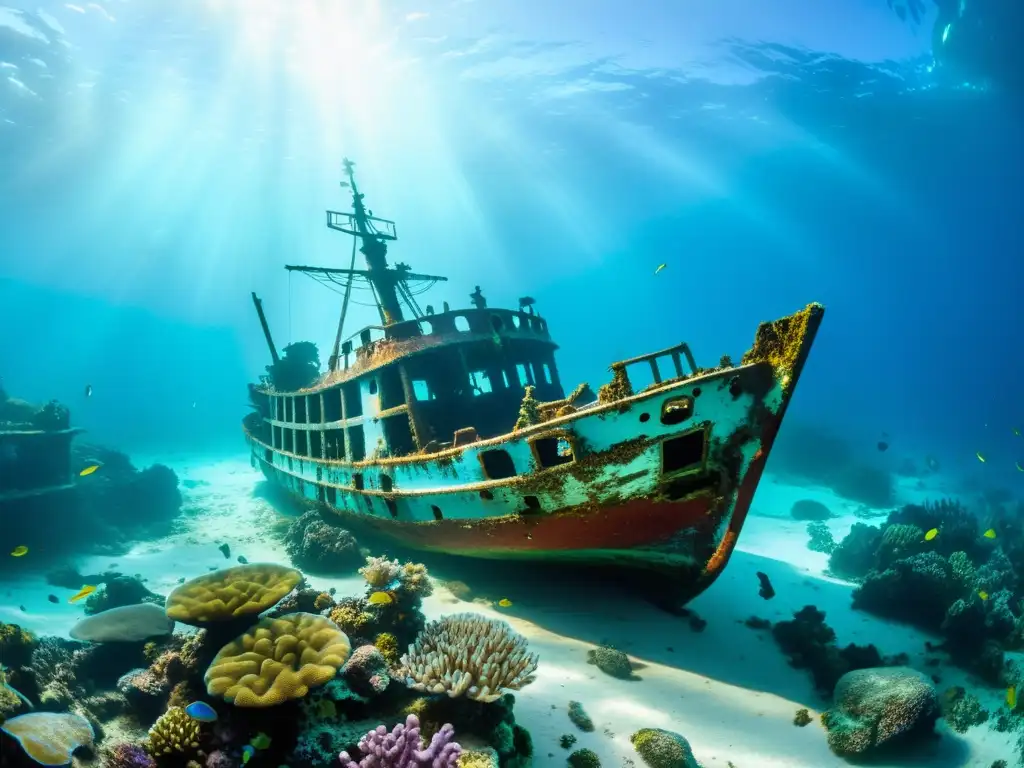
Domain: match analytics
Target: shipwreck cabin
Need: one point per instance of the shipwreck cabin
(34, 459)
(419, 385)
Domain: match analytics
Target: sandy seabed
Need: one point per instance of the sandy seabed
(728, 689)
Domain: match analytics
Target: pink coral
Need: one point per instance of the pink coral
(366, 671)
(402, 748)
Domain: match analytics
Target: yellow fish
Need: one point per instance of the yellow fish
(983, 595)
(380, 598)
(990, 533)
(1011, 697)
(505, 602)
(89, 470)
(981, 458)
(19, 551)
(660, 267)
(931, 534)
(84, 592)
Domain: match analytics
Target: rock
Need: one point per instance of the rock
(808, 509)
(877, 706)
(663, 749)
(612, 662)
(126, 624)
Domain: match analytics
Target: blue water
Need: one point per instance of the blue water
(160, 162)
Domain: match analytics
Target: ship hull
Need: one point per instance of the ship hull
(636, 492)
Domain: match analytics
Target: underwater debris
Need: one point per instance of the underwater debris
(766, 590)
(466, 654)
(255, 671)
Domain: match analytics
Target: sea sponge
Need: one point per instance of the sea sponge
(244, 590)
(278, 659)
(50, 738)
(387, 644)
(612, 662)
(469, 655)
(663, 749)
(174, 731)
(16, 645)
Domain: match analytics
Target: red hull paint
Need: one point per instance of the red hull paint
(635, 523)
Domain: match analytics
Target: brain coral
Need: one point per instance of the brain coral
(469, 655)
(278, 659)
(49, 738)
(244, 590)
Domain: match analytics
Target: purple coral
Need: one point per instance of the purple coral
(126, 755)
(401, 748)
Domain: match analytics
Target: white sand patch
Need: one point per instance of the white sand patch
(727, 689)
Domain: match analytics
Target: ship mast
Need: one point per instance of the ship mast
(390, 286)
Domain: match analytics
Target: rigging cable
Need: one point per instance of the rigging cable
(289, 307)
(344, 307)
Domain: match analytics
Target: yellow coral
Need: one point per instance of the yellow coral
(416, 581)
(174, 731)
(323, 600)
(350, 618)
(244, 590)
(387, 644)
(278, 659)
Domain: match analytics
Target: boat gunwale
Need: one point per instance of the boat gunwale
(532, 431)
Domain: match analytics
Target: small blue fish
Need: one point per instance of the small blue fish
(201, 711)
(247, 752)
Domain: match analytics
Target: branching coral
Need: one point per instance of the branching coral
(245, 590)
(173, 732)
(278, 659)
(402, 748)
(468, 655)
(381, 573)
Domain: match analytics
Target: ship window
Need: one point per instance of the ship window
(516, 322)
(480, 382)
(386, 483)
(461, 323)
(268, 456)
(541, 325)
(437, 512)
(685, 452)
(316, 445)
(496, 322)
(676, 410)
(334, 444)
(332, 405)
(321, 494)
(426, 328)
(504, 378)
(302, 442)
(547, 373)
(392, 507)
(552, 451)
(524, 379)
(372, 387)
(486, 495)
(289, 440)
(420, 390)
(497, 464)
(357, 481)
(645, 417)
(532, 503)
(300, 410)
(314, 409)
(332, 495)
(357, 442)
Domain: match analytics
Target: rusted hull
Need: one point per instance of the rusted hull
(643, 489)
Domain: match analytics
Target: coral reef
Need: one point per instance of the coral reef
(277, 659)
(173, 732)
(241, 591)
(469, 655)
(962, 710)
(956, 582)
(584, 758)
(366, 671)
(579, 717)
(821, 538)
(319, 547)
(125, 755)
(809, 509)
(16, 645)
(116, 591)
(50, 738)
(402, 748)
(612, 662)
(877, 706)
(809, 643)
(297, 368)
(663, 749)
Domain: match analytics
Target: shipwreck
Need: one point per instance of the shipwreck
(451, 430)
